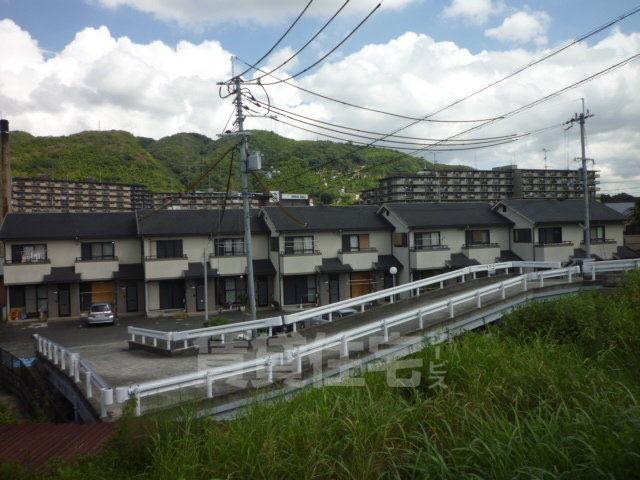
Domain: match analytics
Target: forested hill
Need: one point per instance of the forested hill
(329, 171)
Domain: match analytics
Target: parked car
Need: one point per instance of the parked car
(319, 320)
(102, 312)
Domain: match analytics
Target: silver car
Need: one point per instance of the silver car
(102, 312)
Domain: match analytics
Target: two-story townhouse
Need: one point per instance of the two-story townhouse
(59, 263)
(430, 238)
(553, 230)
(324, 254)
(178, 243)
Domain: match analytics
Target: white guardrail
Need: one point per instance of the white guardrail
(142, 335)
(294, 356)
(70, 362)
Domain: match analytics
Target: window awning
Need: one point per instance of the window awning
(333, 265)
(460, 260)
(263, 267)
(62, 275)
(385, 262)
(129, 271)
(195, 271)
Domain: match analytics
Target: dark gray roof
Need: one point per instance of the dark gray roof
(385, 262)
(129, 271)
(326, 218)
(562, 211)
(62, 275)
(25, 226)
(433, 215)
(197, 222)
(625, 252)
(195, 270)
(333, 265)
(263, 267)
(509, 256)
(460, 260)
(582, 253)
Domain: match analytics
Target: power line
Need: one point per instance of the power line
(515, 72)
(251, 67)
(288, 113)
(324, 57)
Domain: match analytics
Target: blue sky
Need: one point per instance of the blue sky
(150, 67)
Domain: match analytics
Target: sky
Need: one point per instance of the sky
(152, 67)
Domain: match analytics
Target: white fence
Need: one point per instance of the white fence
(294, 356)
(141, 335)
(70, 363)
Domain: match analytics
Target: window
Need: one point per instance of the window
(355, 243)
(550, 235)
(172, 294)
(229, 247)
(233, 290)
(522, 235)
(477, 237)
(275, 244)
(426, 240)
(400, 239)
(299, 245)
(98, 251)
(29, 253)
(169, 249)
(299, 289)
(597, 234)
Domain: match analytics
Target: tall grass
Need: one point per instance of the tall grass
(551, 395)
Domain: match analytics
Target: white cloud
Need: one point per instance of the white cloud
(156, 90)
(478, 11)
(522, 27)
(194, 12)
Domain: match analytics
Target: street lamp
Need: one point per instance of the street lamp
(393, 271)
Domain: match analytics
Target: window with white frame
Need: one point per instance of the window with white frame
(426, 240)
(299, 245)
(229, 247)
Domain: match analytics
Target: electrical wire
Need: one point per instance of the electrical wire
(305, 45)
(500, 80)
(252, 67)
(324, 57)
(290, 115)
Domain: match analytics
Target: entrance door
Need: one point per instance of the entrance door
(200, 296)
(64, 301)
(132, 298)
(334, 288)
(361, 284)
(262, 291)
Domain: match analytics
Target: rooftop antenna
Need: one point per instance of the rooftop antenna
(545, 150)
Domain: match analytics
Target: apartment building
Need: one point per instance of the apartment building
(153, 262)
(551, 230)
(430, 238)
(325, 254)
(29, 195)
(480, 186)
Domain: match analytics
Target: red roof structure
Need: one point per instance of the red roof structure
(33, 444)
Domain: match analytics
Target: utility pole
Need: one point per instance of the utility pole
(5, 170)
(246, 199)
(585, 176)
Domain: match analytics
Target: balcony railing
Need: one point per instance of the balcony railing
(420, 248)
(27, 261)
(600, 241)
(99, 258)
(155, 257)
(481, 245)
(554, 244)
(358, 250)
